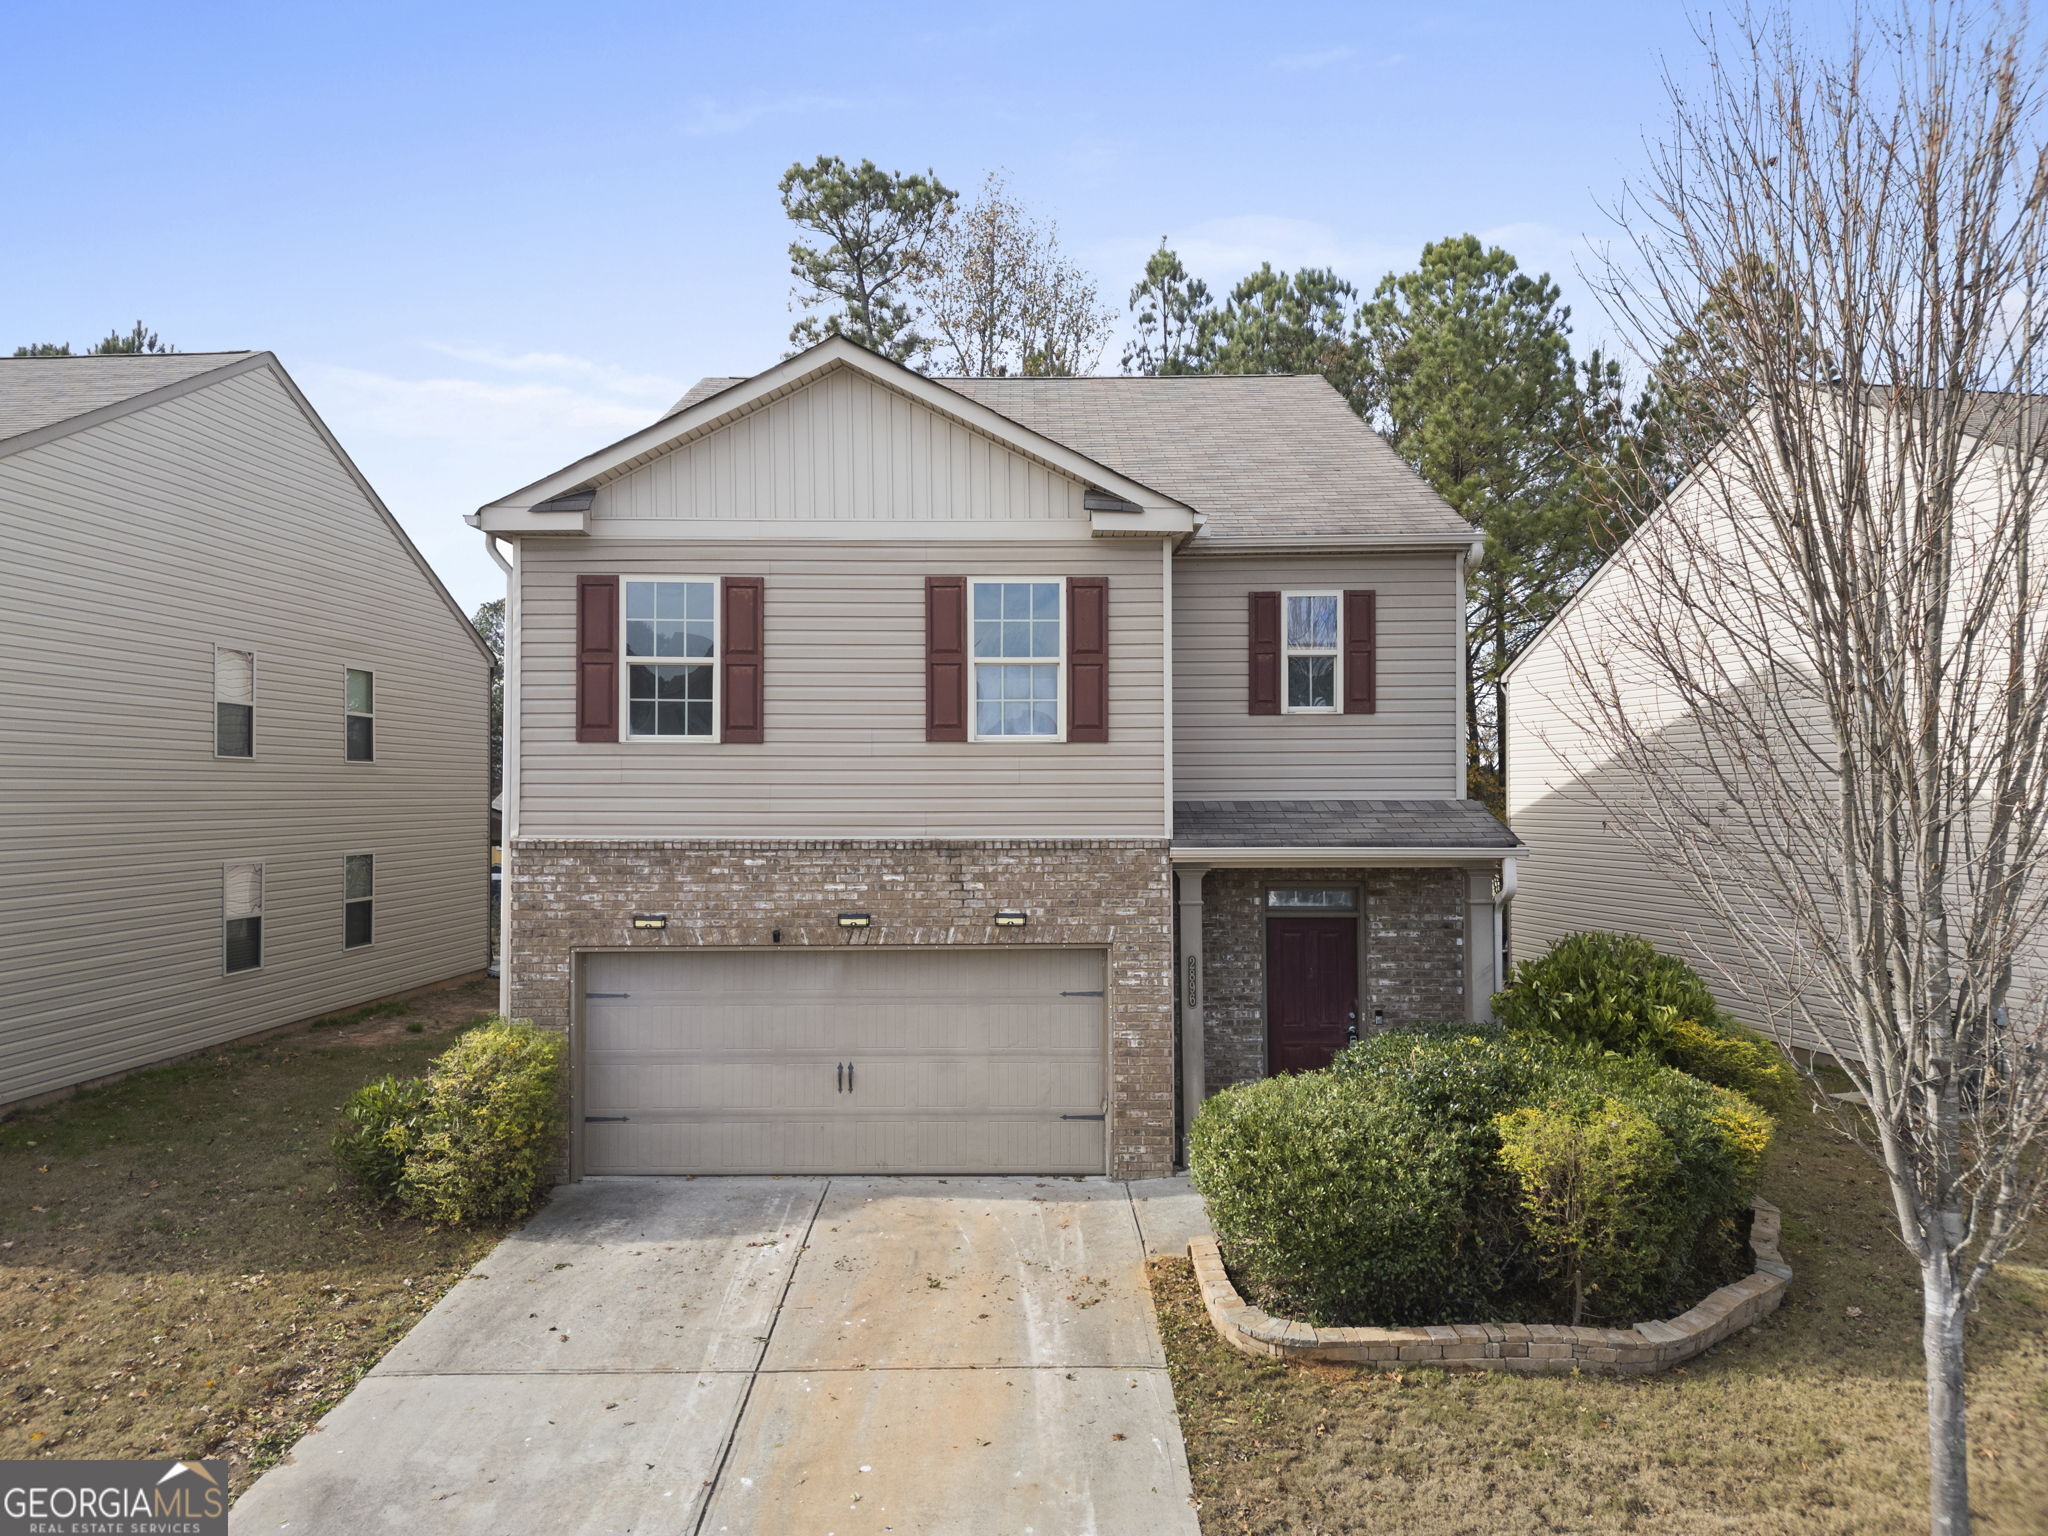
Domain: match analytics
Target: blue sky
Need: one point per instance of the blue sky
(488, 238)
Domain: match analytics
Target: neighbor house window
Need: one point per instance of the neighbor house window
(234, 703)
(1311, 639)
(362, 716)
(358, 886)
(241, 917)
(1018, 643)
(671, 659)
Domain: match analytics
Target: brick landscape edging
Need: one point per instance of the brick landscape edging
(1530, 1347)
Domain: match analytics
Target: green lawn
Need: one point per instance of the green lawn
(178, 1276)
(1809, 1423)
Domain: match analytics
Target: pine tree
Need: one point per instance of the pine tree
(872, 231)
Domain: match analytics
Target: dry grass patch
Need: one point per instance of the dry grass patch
(1810, 1422)
(178, 1276)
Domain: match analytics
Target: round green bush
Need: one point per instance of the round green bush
(1377, 1192)
(1618, 992)
(379, 1122)
(491, 1132)
(475, 1140)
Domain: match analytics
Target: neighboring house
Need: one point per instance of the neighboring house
(889, 758)
(1595, 858)
(243, 776)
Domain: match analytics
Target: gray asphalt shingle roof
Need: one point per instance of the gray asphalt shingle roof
(42, 391)
(1339, 824)
(1261, 454)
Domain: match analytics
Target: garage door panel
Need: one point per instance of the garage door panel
(726, 1061)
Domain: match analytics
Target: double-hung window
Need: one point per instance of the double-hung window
(1018, 643)
(1313, 654)
(358, 887)
(362, 716)
(671, 659)
(234, 703)
(241, 911)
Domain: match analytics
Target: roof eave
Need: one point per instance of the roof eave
(1342, 857)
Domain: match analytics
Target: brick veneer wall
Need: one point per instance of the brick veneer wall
(564, 896)
(1413, 969)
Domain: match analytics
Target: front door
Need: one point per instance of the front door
(1311, 990)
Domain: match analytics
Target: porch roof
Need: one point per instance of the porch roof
(1443, 828)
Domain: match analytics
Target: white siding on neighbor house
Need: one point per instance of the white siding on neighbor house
(1409, 748)
(845, 753)
(135, 547)
(844, 448)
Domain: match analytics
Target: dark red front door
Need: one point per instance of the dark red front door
(1311, 990)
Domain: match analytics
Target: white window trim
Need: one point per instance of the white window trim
(1058, 663)
(234, 650)
(262, 939)
(369, 714)
(347, 901)
(1336, 653)
(715, 661)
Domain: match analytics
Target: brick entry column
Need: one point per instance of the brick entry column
(1189, 983)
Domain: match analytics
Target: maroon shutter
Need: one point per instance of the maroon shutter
(945, 658)
(1088, 658)
(1265, 654)
(739, 661)
(1361, 653)
(597, 658)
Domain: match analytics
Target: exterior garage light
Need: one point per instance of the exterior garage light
(650, 919)
(854, 920)
(1011, 919)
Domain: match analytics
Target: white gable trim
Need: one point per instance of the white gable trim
(1159, 514)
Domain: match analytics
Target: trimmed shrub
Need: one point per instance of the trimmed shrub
(492, 1128)
(1590, 1177)
(1617, 992)
(1380, 1193)
(379, 1123)
(475, 1140)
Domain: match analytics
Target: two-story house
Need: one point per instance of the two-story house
(244, 751)
(919, 775)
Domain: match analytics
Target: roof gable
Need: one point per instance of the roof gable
(717, 409)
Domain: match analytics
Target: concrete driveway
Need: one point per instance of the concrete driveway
(843, 1356)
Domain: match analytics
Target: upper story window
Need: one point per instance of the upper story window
(362, 716)
(234, 703)
(671, 655)
(1018, 642)
(1312, 651)
(241, 911)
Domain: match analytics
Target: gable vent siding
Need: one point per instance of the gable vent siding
(1088, 658)
(597, 658)
(739, 664)
(1361, 653)
(945, 658)
(1264, 690)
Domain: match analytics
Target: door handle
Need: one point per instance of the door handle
(839, 1068)
(849, 1077)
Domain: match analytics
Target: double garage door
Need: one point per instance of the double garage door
(844, 1060)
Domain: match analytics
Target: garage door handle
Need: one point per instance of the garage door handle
(594, 1119)
(1081, 994)
(841, 1067)
(607, 994)
(1084, 1117)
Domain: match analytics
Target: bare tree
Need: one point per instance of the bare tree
(1817, 690)
(1001, 297)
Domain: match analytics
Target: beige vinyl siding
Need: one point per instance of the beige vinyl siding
(1407, 749)
(845, 753)
(843, 448)
(135, 547)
